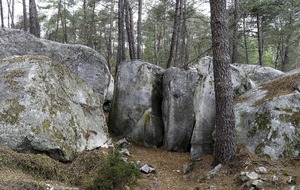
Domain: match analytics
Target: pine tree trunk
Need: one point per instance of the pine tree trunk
(129, 29)
(2, 18)
(259, 39)
(110, 36)
(139, 31)
(121, 35)
(170, 62)
(25, 20)
(245, 40)
(33, 18)
(225, 145)
(234, 58)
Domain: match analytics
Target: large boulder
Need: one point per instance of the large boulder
(259, 74)
(82, 60)
(178, 107)
(268, 118)
(205, 110)
(136, 106)
(44, 107)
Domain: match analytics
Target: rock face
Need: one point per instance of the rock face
(259, 74)
(84, 61)
(268, 118)
(204, 108)
(44, 107)
(178, 107)
(136, 107)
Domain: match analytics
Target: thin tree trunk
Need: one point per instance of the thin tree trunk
(245, 40)
(64, 24)
(121, 35)
(259, 39)
(129, 29)
(57, 20)
(139, 31)
(178, 49)
(225, 145)
(13, 14)
(234, 58)
(2, 18)
(170, 62)
(25, 20)
(33, 18)
(110, 35)
(285, 61)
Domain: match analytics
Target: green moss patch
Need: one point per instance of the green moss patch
(12, 113)
(10, 78)
(278, 87)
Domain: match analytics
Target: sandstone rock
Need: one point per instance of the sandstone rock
(178, 107)
(267, 118)
(44, 107)
(259, 74)
(136, 106)
(82, 60)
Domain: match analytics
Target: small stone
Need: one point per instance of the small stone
(244, 178)
(252, 175)
(257, 182)
(123, 143)
(275, 178)
(293, 188)
(213, 172)
(290, 180)
(187, 168)
(147, 169)
(185, 177)
(261, 170)
(125, 152)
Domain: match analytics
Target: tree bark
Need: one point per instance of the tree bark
(139, 31)
(225, 145)
(234, 58)
(170, 62)
(129, 29)
(121, 35)
(33, 18)
(259, 39)
(2, 18)
(110, 35)
(25, 19)
(245, 40)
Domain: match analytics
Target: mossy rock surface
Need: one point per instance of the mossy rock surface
(268, 120)
(48, 109)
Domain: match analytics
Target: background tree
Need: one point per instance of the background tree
(2, 18)
(25, 20)
(225, 145)
(33, 19)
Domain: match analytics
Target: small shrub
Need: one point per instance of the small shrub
(115, 174)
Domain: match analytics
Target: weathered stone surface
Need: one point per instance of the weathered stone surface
(136, 107)
(82, 60)
(259, 74)
(204, 104)
(44, 107)
(178, 107)
(267, 118)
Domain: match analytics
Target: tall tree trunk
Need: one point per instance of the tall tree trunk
(139, 31)
(129, 29)
(121, 35)
(170, 62)
(33, 19)
(64, 23)
(57, 20)
(245, 40)
(25, 20)
(234, 58)
(13, 14)
(179, 39)
(110, 35)
(259, 39)
(285, 61)
(2, 18)
(225, 145)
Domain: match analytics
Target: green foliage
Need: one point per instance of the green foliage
(115, 174)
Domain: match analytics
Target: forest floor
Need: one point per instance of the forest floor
(169, 171)
(168, 175)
